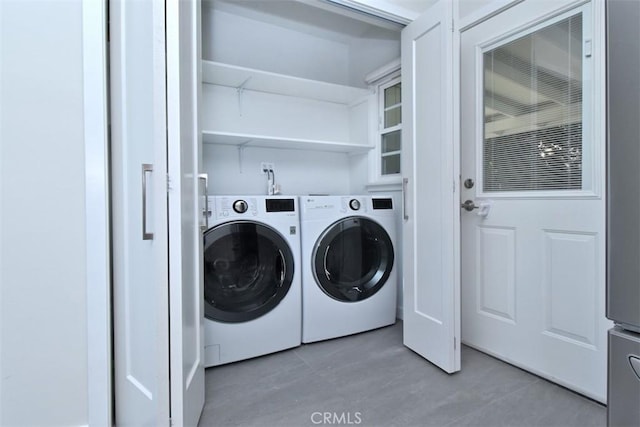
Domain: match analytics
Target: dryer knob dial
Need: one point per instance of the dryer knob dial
(354, 204)
(240, 206)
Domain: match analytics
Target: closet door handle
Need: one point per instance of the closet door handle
(405, 215)
(204, 177)
(146, 167)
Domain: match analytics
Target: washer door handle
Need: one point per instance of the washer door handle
(282, 266)
(324, 263)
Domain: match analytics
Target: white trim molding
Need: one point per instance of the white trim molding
(381, 8)
(484, 13)
(384, 188)
(387, 71)
(379, 80)
(98, 280)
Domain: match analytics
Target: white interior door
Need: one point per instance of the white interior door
(430, 205)
(139, 200)
(159, 374)
(533, 166)
(185, 238)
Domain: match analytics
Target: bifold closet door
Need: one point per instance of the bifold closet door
(158, 317)
(431, 211)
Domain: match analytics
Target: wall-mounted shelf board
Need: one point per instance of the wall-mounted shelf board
(246, 140)
(264, 81)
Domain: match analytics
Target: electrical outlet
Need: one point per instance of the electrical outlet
(266, 166)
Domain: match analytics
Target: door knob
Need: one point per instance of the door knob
(468, 205)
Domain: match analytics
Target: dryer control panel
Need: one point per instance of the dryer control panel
(280, 205)
(322, 207)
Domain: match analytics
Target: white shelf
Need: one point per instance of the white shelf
(250, 79)
(246, 140)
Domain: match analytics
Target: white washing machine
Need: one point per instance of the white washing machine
(349, 280)
(252, 282)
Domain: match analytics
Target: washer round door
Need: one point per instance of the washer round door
(353, 259)
(248, 270)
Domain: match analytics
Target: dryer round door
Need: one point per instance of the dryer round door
(353, 259)
(248, 270)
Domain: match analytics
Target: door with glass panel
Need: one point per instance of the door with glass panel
(532, 183)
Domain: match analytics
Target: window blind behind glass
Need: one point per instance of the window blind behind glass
(533, 111)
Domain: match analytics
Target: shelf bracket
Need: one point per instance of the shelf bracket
(240, 90)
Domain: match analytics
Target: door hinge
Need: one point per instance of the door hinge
(455, 343)
(169, 183)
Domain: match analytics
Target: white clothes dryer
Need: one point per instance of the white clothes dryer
(252, 283)
(349, 279)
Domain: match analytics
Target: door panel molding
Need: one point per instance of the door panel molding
(431, 221)
(140, 272)
(569, 254)
(502, 259)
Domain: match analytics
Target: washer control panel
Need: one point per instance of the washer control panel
(240, 206)
(354, 204)
(247, 207)
(233, 207)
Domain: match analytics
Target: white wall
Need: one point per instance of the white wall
(259, 113)
(297, 171)
(239, 40)
(467, 7)
(306, 51)
(418, 6)
(407, 10)
(358, 173)
(369, 54)
(43, 310)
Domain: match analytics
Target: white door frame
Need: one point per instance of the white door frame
(98, 278)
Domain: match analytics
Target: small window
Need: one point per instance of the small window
(390, 127)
